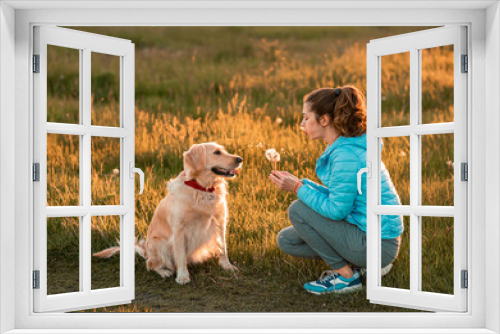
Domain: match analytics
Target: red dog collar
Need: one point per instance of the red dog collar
(196, 185)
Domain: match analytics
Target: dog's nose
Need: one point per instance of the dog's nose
(239, 159)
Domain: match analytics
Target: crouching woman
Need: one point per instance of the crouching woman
(329, 222)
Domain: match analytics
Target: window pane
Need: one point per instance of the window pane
(437, 254)
(437, 169)
(399, 275)
(105, 234)
(63, 85)
(63, 255)
(63, 170)
(437, 84)
(105, 171)
(105, 86)
(395, 89)
(395, 170)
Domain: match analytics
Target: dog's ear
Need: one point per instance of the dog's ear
(195, 160)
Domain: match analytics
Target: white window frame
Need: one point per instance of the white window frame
(483, 21)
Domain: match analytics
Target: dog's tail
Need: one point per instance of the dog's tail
(140, 248)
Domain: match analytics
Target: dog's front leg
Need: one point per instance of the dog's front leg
(180, 257)
(223, 257)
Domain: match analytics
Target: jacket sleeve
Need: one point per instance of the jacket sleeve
(342, 189)
(316, 186)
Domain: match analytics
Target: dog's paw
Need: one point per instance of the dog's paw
(229, 267)
(183, 279)
(164, 272)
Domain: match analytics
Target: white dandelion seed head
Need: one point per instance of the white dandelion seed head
(402, 153)
(259, 145)
(272, 155)
(116, 171)
(279, 120)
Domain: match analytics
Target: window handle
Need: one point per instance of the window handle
(133, 170)
(368, 171)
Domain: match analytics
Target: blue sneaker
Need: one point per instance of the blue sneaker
(332, 282)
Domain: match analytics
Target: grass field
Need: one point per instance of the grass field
(243, 88)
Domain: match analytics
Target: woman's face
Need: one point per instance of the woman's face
(310, 125)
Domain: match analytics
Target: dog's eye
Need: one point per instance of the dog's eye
(217, 152)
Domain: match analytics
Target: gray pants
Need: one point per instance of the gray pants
(337, 242)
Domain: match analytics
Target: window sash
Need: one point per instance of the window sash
(414, 297)
(86, 43)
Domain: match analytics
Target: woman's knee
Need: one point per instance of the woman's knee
(390, 251)
(283, 238)
(280, 239)
(294, 211)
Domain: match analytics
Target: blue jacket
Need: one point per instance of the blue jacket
(337, 168)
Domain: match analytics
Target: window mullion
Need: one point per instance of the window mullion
(422, 210)
(80, 211)
(86, 167)
(418, 186)
(81, 176)
(421, 129)
(415, 261)
(80, 130)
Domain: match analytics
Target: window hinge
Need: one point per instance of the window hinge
(36, 172)
(465, 279)
(465, 64)
(465, 171)
(36, 279)
(36, 63)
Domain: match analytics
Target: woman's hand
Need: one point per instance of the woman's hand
(285, 181)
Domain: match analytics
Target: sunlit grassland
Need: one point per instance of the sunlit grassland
(245, 92)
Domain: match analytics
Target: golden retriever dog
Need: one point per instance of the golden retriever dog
(189, 224)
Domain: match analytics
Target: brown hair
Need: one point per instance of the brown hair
(346, 107)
